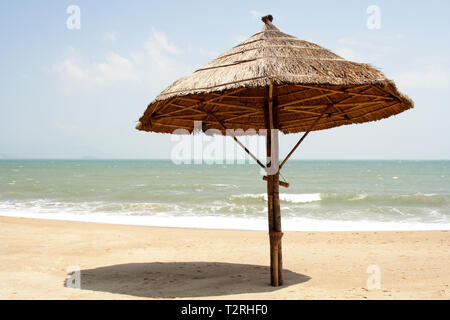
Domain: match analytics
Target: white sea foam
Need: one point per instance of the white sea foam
(358, 197)
(231, 214)
(250, 195)
(425, 194)
(300, 198)
(236, 217)
(234, 223)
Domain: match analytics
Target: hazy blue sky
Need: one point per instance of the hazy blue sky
(77, 93)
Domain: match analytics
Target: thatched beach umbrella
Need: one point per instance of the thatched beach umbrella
(275, 81)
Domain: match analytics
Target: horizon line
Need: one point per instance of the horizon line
(247, 160)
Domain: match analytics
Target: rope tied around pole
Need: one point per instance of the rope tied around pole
(275, 237)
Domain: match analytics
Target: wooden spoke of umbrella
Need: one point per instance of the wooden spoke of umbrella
(202, 117)
(349, 92)
(304, 136)
(377, 110)
(352, 119)
(294, 110)
(294, 123)
(219, 95)
(183, 108)
(182, 116)
(153, 110)
(228, 112)
(172, 126)
(346, 116)
(238, 142)
(340, 102)
(193, 109)
(241, 97)
(303, 90)
(360, 93)
(359, 107)
(244, 115)
(354, 106)
(347, 104)
(167, 115)
(228, 104)
(162, 106)
(383, 90)
(200, 102)
(337, 104)
(307, 99)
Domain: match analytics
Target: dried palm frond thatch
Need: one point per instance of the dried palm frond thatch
(308, 80)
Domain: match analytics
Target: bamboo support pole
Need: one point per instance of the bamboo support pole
(273, 195)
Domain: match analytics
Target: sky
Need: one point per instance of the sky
(71, 93)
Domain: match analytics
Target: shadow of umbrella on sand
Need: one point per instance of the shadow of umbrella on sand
(181, 279)
(268, 83)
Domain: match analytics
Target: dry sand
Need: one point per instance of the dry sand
(129, 262)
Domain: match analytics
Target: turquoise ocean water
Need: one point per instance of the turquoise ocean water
(324, 195)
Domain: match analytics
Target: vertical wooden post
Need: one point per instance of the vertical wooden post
(273, 196)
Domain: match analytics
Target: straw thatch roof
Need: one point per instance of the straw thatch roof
(308, 80)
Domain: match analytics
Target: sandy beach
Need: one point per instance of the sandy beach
(134, 262)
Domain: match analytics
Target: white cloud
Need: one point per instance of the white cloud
(153, 64)
(159, 42)
(77, 74)
(430, 76)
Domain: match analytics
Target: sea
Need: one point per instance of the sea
(324, 195)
